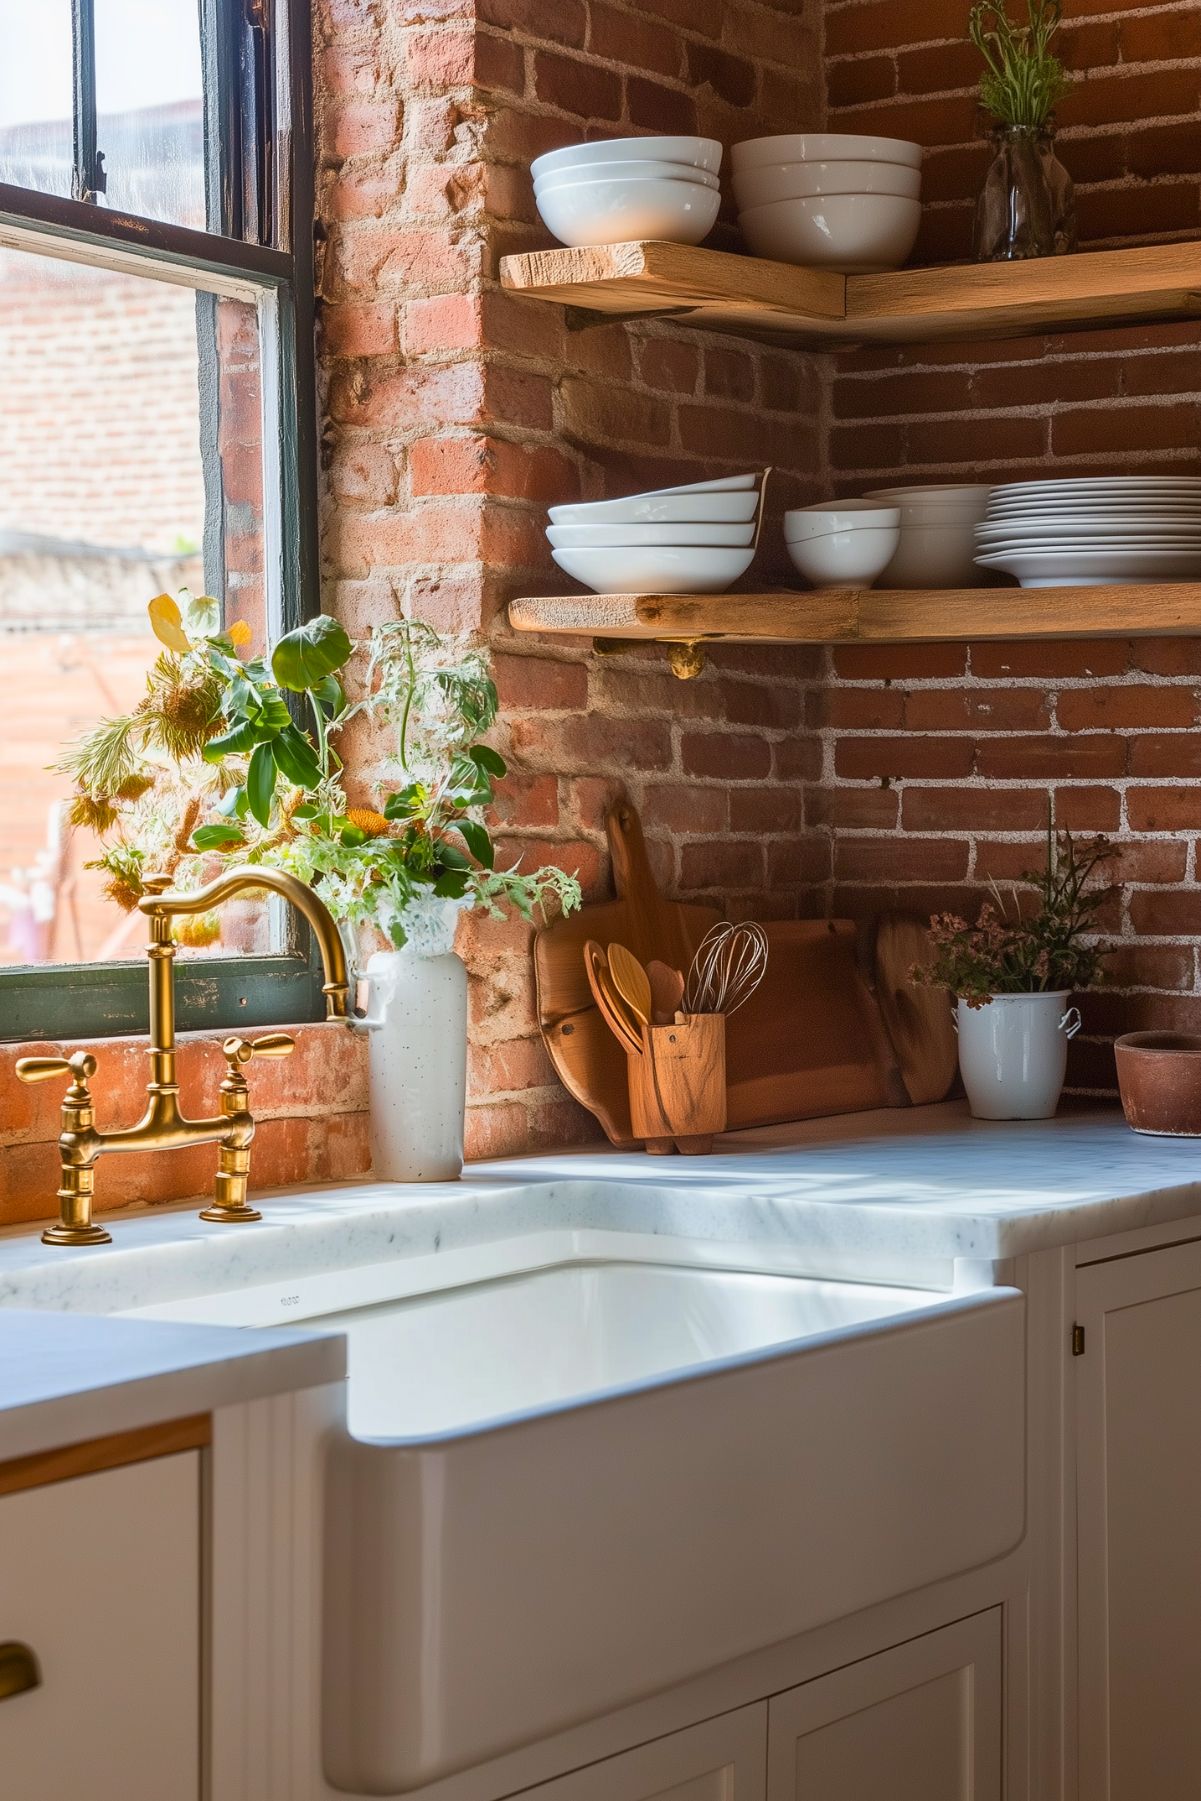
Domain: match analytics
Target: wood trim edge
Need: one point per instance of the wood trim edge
(112, 1452)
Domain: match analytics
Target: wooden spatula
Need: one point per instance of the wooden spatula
(667, 991)
(631, 982)
(609, 1003)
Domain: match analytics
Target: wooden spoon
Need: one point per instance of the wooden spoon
(631, 982)
(667, 991)
(611, 1007)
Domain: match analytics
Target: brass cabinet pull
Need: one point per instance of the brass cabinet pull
(18, 1670)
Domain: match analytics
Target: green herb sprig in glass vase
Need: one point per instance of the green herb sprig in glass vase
(1027, 207)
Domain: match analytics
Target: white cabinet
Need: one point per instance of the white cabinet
(721, 1760)
(921, 1722)
(100, 1581)
(1138, 1476)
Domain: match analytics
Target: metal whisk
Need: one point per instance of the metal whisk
(728, 967)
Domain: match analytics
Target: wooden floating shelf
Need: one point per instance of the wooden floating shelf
(817, 309)
(869, 616)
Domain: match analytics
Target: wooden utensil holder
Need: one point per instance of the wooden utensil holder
(678, 1085)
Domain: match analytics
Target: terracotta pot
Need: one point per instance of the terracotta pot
(1159, 1078)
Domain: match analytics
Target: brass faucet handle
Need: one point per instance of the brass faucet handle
(80, 1066)
(271, 1044)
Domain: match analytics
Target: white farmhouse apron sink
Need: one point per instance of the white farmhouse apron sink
(573, 1488)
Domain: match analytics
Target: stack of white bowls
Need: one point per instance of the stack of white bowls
(842, 541)
(618, 189)
(1094, 531)
(938, 534)
(697, 539)
(829, 199)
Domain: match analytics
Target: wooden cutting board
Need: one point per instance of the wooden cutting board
(918, 1019)
(809, 1042)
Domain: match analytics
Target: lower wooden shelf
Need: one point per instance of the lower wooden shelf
(871, 615)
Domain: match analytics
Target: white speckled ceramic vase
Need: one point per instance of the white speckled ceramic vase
(417, 1020)
(1013, 1053)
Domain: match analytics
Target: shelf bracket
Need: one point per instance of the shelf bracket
(686, 658)
(582, 318)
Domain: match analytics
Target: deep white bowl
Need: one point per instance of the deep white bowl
(655, 570)
(613, 212)
(576, 174)
(720, 507)
(933, 493)
(857, 234)
(679, 535)
(838, 516)
(824, 147)
(703, 153)
(934, 556)
(799, 181)
(857, 556)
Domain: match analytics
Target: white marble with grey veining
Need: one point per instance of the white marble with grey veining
(868, 1190)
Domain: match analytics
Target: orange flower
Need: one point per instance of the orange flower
(239, 633)
(369, 821)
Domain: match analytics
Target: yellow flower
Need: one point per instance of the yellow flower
(369, 821)
(240, 633)
(196, 930)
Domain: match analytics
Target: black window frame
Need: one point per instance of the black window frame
(259, 190)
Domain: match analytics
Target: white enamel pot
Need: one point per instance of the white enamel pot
(416, 1021)
(1013, 1053)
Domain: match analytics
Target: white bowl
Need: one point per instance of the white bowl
(798, 181)
(721, 484)
(857, 556)
(576, 175)
(724, 507)
(701, 153)
(608, 537)
(824, 147)
(652, 570)
(838, 516)
(613, 212)
(937, 493)
(857, 234)
(934, 556)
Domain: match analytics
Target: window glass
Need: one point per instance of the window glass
(131, 463)
(35, 95)
(150, 123)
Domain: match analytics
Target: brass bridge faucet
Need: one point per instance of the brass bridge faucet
(163, 1127)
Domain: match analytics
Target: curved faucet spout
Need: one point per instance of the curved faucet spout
(163, 902)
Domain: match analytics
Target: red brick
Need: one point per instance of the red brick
(973, 809)
(533, 682)
(861, 758)
(1164, 809)
(1134, 707)
(735, 757)
(1045, 758)
(577, 86)
(899, 860)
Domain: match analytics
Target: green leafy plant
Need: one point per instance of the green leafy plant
(213, 767)
(1016, 949)
(1023, 80)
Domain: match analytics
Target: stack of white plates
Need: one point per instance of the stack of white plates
(829, 199)
(691, 540)
(1095, 531)
(618, 189)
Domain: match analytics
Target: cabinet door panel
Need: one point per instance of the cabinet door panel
(721, 1760)
(1139, 1550)
(100, 1577)
(918, 1723)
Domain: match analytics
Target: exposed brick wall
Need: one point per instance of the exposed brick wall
(456, 413)
(936, 762)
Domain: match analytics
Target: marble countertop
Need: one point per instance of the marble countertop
(855, 1194)
(69, 1377)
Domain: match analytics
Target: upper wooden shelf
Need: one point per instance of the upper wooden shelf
(820, 310)
(873, 615)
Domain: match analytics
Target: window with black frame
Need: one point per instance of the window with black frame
(156, 434)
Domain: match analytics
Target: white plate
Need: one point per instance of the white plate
(1104, 484)
(724, 506)
(608, 537)
(1108, 527)
(704, 152)
(1094, 568)
(1160, 504)
(655, 571)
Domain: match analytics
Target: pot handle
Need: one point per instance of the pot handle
(1071, 1022)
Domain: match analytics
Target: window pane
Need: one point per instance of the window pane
(130, 463)
(35, 95)
(150, 124)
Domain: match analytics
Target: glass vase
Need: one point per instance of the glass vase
(1027, 206)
